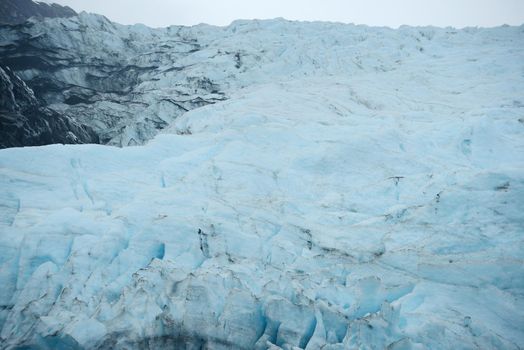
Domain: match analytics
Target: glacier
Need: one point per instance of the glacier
(128, 83)
(355, 188)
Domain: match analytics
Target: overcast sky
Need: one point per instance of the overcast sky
(392, 13)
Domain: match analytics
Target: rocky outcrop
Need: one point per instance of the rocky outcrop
(18, 11)
(24, 122)
(125, 82)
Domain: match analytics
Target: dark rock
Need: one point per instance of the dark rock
(25, 122)
(18, 11)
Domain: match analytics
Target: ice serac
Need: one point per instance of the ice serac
(25, 122)
(361, 188)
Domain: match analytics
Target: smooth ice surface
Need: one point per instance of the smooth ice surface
(321, 206)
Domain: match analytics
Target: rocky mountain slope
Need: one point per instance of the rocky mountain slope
(24, 122)
(18, 11)
(124, 82)
(313, 186)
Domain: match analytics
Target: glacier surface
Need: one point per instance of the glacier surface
(361, 188)
(129, 82)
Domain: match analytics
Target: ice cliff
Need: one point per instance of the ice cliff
(315, 186)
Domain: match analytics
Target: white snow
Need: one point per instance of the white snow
(321, 205)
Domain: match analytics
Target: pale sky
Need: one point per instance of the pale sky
(391, 13)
